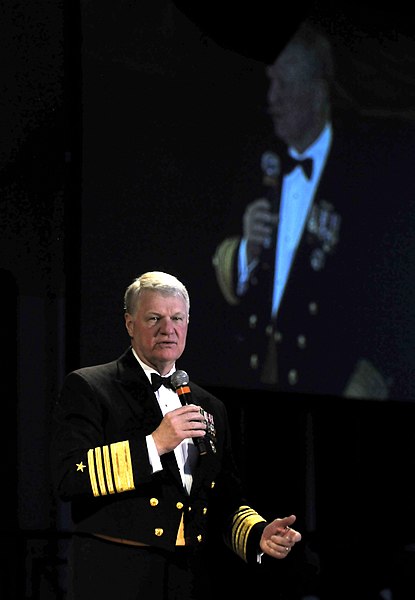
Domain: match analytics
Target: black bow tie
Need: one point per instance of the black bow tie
(289, 163)
(157, 381)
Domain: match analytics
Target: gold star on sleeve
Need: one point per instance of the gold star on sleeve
(80, 466)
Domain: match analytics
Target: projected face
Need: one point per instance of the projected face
(296, 103)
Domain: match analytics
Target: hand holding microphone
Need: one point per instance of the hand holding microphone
(259, 223)
(261, 216)
(180, 382)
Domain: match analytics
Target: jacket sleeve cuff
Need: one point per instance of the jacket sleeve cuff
(245, 533)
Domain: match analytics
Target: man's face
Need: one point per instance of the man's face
(158, 330)
(291, 95)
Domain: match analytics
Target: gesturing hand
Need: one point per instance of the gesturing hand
(278, 538)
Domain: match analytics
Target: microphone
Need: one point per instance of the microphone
(271, 168)
(271, 180)
(180, 381)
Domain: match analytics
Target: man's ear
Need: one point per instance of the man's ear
(129, 323)
(321, 93)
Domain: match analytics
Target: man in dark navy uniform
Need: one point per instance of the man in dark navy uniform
(146, 500)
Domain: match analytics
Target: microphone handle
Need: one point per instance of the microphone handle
(271, 183)
(200, 445)
(272, 178)
(186, 398)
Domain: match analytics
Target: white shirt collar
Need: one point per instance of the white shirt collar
(148, 370)
(318, 150)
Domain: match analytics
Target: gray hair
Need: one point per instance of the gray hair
(318, 51)
(158, 281)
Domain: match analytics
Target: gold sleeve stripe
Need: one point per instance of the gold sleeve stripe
(123, 469)
(243, 521)
(111, 468)
(108, 472)
(100, 471)
(223, 263)
(91, 468)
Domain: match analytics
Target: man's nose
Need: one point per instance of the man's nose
(167, 326)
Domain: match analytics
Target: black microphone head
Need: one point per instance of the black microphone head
(270, 164)
(179, 378)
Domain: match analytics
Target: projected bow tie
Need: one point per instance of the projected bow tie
(157, 381)
(289, 164)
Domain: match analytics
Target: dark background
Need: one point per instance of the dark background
(121, 130)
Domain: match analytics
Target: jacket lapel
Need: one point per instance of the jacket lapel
(142, 401)
(138, 392)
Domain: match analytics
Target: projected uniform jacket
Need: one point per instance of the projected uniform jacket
(346, 324)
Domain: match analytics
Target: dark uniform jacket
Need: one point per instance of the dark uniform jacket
(101, 465)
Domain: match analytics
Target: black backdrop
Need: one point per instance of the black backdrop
(110, 117)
